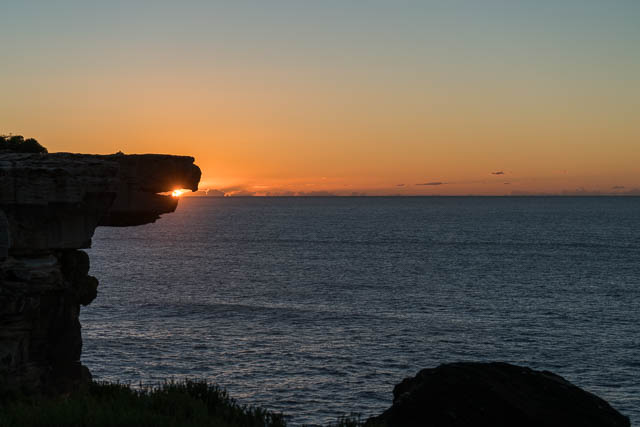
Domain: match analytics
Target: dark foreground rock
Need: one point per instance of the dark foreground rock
(50, 206)
(494, 394)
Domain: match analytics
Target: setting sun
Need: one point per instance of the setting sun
(362, 191)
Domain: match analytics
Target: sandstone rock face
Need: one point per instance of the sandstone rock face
(4, 236)
(494, 394)
(50, 205)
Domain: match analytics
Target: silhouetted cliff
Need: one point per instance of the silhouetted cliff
(50, 205)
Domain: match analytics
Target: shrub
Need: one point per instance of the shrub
(17, 143)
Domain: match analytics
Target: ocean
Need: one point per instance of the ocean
(317, 307)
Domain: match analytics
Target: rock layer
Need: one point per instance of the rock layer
(50, 205)
(494, 394)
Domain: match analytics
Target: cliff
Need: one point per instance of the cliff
(50, 206)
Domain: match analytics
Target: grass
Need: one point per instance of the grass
(353, 420)
(189, 403)
(174, 404)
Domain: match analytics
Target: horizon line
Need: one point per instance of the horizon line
(409, 195)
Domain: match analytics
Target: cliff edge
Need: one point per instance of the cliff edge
(50, 206)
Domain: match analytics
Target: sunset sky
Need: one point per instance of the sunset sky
(302, 97)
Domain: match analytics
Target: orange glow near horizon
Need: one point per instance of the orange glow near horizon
(177, 193)
(304, 98)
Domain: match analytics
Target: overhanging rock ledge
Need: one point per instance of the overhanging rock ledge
(50, 206)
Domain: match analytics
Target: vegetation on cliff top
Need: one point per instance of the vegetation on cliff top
(190, 403)
(17, 144)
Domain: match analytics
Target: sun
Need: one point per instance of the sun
(177, 193)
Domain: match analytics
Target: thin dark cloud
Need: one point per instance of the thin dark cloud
(240, 193)
(284, 193)
(618, 187)
(506, 183)
(208, 192)
(532, 193)
(432, 183)
(233, 188)
(399, 185)
(497, 173)
(315, 194)
(581, 192)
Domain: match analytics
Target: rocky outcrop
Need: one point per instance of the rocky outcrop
(494, 394)
(50, 205)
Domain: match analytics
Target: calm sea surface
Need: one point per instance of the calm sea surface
(316, 307)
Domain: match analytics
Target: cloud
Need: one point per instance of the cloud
(531, 193)
(631, 192)
(506, 183)
(233, 188)
(315, 194)
(214, 193)
(207, 192)
(399, 185)
(284, 193)
(581, 192)
(618, 187)
(432, 183)
(199, 193)
(497, 173)
(239, 193)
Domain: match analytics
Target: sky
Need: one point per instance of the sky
(338, 97)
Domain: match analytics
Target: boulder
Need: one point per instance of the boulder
(494, 394)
